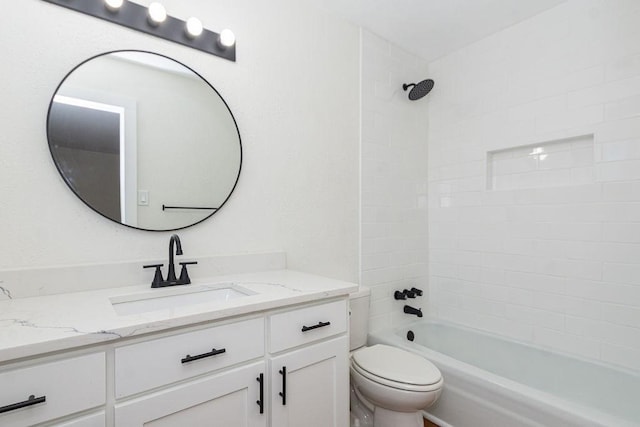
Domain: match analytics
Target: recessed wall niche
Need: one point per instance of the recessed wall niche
(555, 163)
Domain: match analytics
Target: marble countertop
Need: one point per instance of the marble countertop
(44, 324)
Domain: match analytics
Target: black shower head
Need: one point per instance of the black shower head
(419, 90)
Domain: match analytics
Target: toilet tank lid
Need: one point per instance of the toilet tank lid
(362, 291)
(396, 364)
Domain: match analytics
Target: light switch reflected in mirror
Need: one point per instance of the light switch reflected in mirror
(144, 140)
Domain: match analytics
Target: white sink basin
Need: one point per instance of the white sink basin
(168, 298)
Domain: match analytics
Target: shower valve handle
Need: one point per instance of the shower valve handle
(409, 293)
(417, 291)
(399, 295)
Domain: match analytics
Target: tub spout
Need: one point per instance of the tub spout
(410, 310)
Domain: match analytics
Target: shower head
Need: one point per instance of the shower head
(418, 90)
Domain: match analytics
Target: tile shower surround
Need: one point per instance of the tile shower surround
(393, 180)
(547, 164)
(557, 266)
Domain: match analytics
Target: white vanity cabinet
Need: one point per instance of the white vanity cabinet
(278, 367)
(302, 381)
(45, 391)
(309, 370)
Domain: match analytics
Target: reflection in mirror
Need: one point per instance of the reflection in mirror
(144, 140)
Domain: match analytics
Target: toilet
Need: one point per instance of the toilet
(389, 386)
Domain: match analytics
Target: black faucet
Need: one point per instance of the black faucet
(158, 281)
(410, 310)
(407, 293)
(174, 240)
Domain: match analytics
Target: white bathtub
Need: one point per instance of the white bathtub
(494, 382)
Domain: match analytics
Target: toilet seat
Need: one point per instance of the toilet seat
(396, 368)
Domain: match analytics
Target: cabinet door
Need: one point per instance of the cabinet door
(226, 399)
(310, 386)
(95, 420)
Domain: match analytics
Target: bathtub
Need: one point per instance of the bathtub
(492, 381)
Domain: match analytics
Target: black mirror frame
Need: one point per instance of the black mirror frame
(91, 207)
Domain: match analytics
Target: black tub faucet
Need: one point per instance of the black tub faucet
(407, 293)
(158, 282)
(410, 310)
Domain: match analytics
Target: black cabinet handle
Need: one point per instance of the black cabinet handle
(319, 325)
(188, 358)
(32, 400)
(283, 393)
(260, 402)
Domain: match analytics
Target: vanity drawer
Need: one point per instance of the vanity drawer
(154, 363)
(58, 388)
(307, 324)
(95, 420)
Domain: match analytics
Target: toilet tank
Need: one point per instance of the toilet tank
(359, 317)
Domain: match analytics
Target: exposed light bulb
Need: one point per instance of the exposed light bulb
(227, 38)
(194, 27)
(157, 13)
(113, 5)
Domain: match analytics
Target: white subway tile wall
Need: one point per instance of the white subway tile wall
(394, 237)
(558, 266)
(547, 164)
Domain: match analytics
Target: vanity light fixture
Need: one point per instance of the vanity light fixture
(113, 5)
(155, 21)
(194, 27)
(227, 38)
(157, 13)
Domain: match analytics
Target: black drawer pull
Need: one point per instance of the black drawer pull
(260, 402)
(32, 400)
(319, 325)
(213, 352)
(283, 393)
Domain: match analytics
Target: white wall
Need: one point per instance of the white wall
(557, 265)
(394, 180)
(294, 94)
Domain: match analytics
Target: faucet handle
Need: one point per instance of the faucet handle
(416, 291)
(409, 293)
(184, 274)
(157, 277)
(399, 295)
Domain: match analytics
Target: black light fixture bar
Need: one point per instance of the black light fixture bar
(135, 16)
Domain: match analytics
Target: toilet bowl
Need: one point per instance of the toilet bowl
(394, 385)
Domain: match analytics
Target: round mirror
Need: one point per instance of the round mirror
(144, 140)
